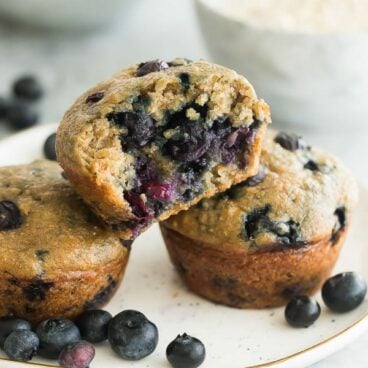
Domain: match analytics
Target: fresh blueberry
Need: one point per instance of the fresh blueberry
(290, 141)
(49, 147)
(10, 216)
(10, 324)
(95, 97)
(185, 352)
(28, 88)
(132, 336)
(21, 115)
(54, 335)
(93, 325)
(151, 66)
(4, 107)
(77, 355)
(302, 311)
(344, 292)
(21, 345)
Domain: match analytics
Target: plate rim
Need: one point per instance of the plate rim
(358, 327)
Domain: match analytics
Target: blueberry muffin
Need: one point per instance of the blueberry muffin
(56, 258)
(273, 236)
(157, 137)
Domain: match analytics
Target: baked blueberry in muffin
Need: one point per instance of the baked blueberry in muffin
(275, 235)
(158, 137)
(57, 259)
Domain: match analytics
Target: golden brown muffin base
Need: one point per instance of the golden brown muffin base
(67, 296)
(268, 278)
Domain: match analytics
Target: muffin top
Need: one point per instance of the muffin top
(301, 195)
(159, 136)
(45, 229)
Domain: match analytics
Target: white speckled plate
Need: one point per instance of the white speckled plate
(233, 338)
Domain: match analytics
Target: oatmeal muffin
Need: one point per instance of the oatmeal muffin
(158, 137)
(276, 235)
(56, 257)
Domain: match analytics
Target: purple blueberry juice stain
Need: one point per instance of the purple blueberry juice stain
(159, 191)
(139, 207)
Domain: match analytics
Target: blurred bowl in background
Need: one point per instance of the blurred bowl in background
(63, 14)
(317, 80)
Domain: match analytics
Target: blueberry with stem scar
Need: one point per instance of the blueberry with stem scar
(186, 352)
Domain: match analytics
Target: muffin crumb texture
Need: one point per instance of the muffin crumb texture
(56, 257)
(159, 136)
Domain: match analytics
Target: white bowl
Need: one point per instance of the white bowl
(64, 14)
(313, 81)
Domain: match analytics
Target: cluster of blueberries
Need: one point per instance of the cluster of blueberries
(131, 335)
(341, 293)
(19, 110)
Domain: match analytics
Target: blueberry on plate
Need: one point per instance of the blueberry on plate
(28, 87)
(49, 147)
(302, 311)
(77, 355)
(185, 352)
(21, 115)
(93, 325)
(21, 345)
(54, 335)
(344, 292)
(10, 324)
(132, 336)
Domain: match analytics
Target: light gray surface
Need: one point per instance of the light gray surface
(69, 63)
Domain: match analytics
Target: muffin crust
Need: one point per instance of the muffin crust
(58, 259)
(276, 235)
(157, 137)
